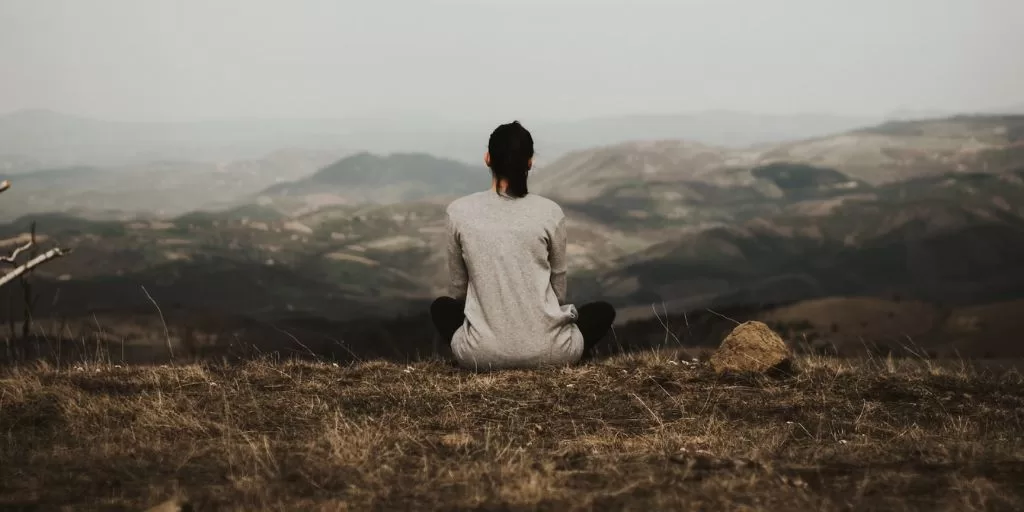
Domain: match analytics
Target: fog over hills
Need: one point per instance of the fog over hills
(38, 138)
(57, 139)
(100, 168)
(53, 139)
(176, 185)
(157, 188)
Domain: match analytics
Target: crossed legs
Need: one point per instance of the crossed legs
(595, 320)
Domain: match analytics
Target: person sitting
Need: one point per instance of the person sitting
(507, 262)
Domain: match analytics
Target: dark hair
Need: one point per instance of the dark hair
(511, 148)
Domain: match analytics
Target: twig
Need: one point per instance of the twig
(296, 340)
(668, 332)
(350, 351)
(26, 286)
(687, 320)
(33, 263)
(649, 410)
(167, 334)
(709, 310)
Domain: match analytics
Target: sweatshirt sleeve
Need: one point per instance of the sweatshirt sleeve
(456, 264)
(558, 261)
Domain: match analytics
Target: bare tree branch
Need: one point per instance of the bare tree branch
(33, 263)
(20, 272)
(13, 258)
(4, 185)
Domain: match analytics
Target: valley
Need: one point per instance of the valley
(321, 245)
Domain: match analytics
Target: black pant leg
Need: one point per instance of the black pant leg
(595, 320)
(448, 315)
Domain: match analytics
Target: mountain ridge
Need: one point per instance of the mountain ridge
(57, 139)
(365, 177)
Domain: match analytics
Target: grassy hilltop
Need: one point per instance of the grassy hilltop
(647, 431)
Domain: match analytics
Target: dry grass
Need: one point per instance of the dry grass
(637, 432)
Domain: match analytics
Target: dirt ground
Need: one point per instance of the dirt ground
(647, 431)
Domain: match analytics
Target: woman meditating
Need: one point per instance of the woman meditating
(507, 261)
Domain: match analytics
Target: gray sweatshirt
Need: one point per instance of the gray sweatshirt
(506, 258)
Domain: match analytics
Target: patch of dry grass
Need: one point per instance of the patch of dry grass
(637, 432)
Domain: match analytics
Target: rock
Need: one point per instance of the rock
(752, 347)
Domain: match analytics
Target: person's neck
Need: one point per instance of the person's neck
(499, 185)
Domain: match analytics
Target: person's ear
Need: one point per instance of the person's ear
(529, 165)
(487, 158)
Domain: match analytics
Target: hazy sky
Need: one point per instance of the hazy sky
(479, 59)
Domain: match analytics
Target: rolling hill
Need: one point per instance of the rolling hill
(369, 178)
(887, 153)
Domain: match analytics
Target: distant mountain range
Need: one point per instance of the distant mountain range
(917, 115)
(31, 139)
(298, 180)
(34, 139)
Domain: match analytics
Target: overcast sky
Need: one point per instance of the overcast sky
(478, 59)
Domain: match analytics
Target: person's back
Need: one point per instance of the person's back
(507, 262)
(514, 288)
